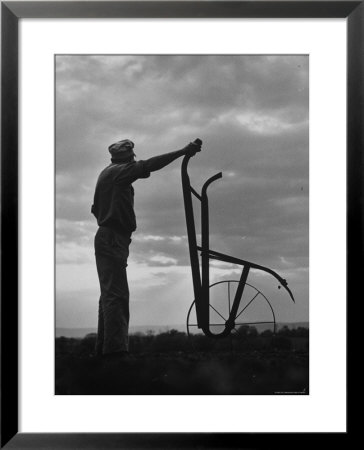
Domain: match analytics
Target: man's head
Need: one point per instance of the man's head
(122, 151)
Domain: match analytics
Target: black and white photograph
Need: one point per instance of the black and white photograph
(181, 221)
(181, 224)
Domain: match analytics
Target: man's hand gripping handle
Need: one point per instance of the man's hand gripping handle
(193, 147)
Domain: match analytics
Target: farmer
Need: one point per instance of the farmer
(113, 208)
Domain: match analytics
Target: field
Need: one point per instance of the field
(169, 363)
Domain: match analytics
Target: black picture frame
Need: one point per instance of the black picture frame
(11, 12)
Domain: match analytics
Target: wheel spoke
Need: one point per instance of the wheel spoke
(241, 312)
(218, 312)
(253, 323)
(229, 297)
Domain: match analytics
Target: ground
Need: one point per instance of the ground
(249, 372)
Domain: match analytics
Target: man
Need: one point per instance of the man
(113, 208)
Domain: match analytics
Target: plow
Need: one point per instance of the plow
(217, 319)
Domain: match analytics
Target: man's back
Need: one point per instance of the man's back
(113, 204)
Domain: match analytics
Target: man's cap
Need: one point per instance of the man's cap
(122, 150)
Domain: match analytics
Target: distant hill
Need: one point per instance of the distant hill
(156, 329)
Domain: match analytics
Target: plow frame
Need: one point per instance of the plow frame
(201, 272)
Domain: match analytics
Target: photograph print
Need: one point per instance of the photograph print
(182, 224)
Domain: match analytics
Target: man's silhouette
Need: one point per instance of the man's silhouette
(113, 208)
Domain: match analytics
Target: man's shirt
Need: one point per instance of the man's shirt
(113, 204)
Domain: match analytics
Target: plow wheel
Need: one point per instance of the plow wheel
(254, 310)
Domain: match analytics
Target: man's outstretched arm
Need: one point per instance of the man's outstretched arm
(158, 162)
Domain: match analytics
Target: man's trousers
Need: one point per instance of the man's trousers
(112, 251)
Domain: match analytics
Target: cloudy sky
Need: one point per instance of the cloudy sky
(251, 113)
